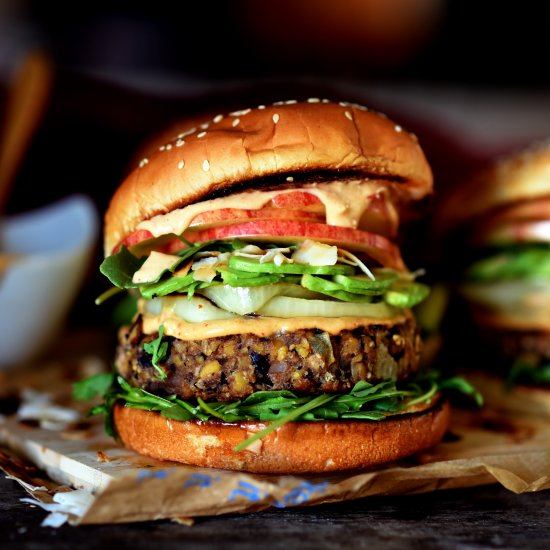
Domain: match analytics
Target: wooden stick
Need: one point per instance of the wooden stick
(25, 104)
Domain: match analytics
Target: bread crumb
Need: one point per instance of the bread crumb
(102, 457)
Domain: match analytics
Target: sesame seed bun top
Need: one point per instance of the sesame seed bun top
(265, 147)
(521, 175)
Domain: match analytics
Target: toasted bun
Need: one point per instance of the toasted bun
(296, 447)
(520, 398)
(290, 139)
(517, 176)
(511, 320)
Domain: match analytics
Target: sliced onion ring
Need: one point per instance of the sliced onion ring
(244, 300)
(286, 307)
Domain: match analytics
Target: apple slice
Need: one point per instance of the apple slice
(380, 217)
(296, 205)
(296, 200)
(133, 239)
(233, 214)
(287, 231)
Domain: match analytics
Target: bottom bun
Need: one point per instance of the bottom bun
(519, 398)
(295, 447)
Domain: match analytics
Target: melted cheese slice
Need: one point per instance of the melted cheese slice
(345, 202)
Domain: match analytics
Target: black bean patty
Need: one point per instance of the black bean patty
(306, 361)
(506, 346)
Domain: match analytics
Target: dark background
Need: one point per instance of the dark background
(122, 72)
(466, 41)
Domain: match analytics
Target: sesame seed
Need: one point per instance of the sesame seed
(343, 103)
(143, 162)
(277, 103)
(187, 133)
(235, 122)
(261, 107)
(181, 164)
(205, 126)
(325, 100)
(240, 113)
(168, 147)
(313, 100)
(275, 118)
(398, 128)
(206, 166)
(162, 147)
(201, 135)
(180, 142)
(218, 118)
(348, 115)
(290, 178)
(290, 102)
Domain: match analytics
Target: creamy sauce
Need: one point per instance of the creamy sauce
(260, 326)
(345, 202)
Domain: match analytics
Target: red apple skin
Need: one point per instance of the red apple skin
(234, 214)
(377, 247)
(376, 219)
(133, 238)
(296, 199)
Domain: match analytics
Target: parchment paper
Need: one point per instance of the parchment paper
(111, 484)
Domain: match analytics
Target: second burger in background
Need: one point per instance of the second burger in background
(497, 226)
(275, 330)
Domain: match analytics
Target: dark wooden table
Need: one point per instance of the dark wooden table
(484, 517)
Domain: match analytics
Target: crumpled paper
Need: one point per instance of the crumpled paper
(113, 484)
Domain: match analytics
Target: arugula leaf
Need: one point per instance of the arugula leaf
(512, 263)
(522, 371)
(95, 385)
(177, 412)
(158, 350)
(119, 268)
(107, 294)
(462, 386)
(322, 399)
(192, 249)
(365, 401)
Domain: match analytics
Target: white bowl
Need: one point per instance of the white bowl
(52, 247)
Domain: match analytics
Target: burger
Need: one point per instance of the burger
(497, 227)
(275, 328)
